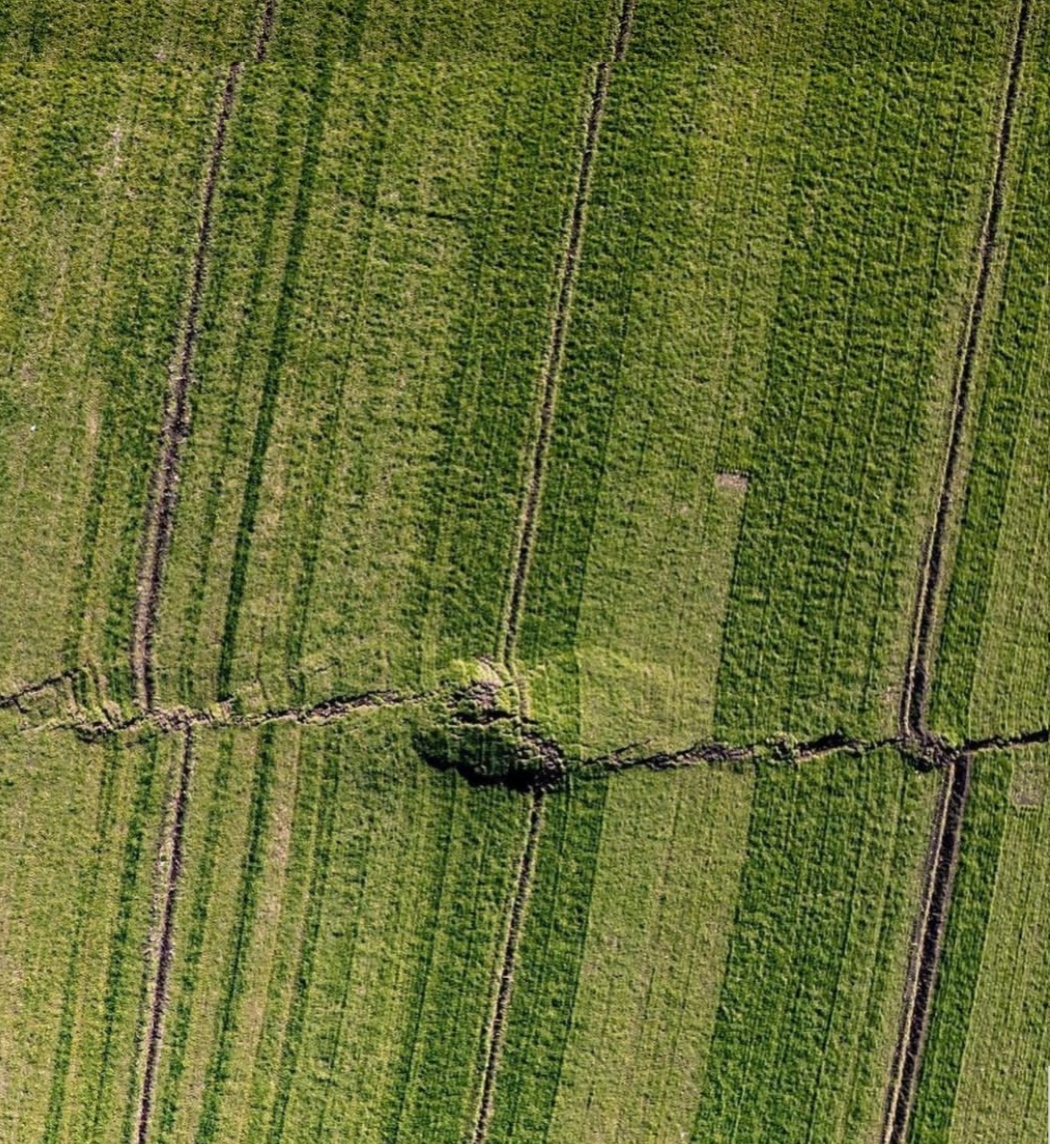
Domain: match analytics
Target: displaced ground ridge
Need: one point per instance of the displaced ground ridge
(943, 853)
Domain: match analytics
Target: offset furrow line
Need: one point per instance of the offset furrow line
(915, 693)
(498, 1026)
(941, 863)
(559, 328)
(160, 514)
(943, 853)
(164, 955)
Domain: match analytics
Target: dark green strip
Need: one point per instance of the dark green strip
(251, 876)
(272, 377)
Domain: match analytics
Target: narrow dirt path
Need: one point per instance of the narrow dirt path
(915, 693)
(559, 329)
(498, 1025)
(166, 944)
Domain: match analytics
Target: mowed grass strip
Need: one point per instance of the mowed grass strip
(992, 672)
(643, 492)
(78, 869)
(98, 215)
(621, 958)
(809, 1007)
(340, 919)
(889, 181)
(385, 246)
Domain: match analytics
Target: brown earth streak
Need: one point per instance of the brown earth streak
(160, 515)
(164, 955)
(928, 939)
(914, 694)
(559, 329)
(498, 1025)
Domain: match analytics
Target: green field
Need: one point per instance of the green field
(100, 196)
(994, 676)
(336, 940)
(78, 891)
(985, 1071)
(505, 505)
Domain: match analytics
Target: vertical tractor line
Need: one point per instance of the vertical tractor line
(559, 328)
(175, 428)
(496, 1033)
(915, 693)
(943, 853)
(160, 513)
(166, 945)
(927, 942)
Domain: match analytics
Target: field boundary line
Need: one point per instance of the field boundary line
(915, 692)
(497, 1029)
(555, 353)
(927, 941)
(165, 949)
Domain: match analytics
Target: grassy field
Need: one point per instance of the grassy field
(100, 196)
(714, 956)
(81, 829)
(384, 264)
(127, 31)
(985, 1073)
(524, 384)
(993, 674)
(340, 917)
(622, 952)
(777, 252)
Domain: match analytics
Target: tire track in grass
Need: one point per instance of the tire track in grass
(164, 955)
(915, 693)
(163, 492)
(559, 329)
(943, 854)
(496, 1031)
(160, 514)
(942, 860)
(178, 1035)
